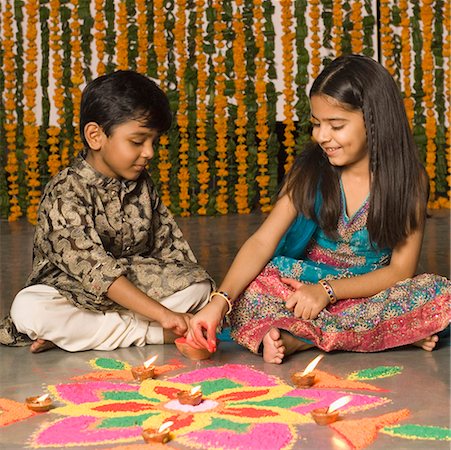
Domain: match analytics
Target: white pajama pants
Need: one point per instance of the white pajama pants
(41, 312)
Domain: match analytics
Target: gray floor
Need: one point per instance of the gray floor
(423, 386)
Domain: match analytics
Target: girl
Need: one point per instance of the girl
(344, 237)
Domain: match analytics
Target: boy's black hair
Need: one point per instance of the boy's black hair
(124, 95)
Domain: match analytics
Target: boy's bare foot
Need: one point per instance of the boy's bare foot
(428, 343)
(40, 345)
(277, 345)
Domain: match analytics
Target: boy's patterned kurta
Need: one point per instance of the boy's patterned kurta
(92, 229)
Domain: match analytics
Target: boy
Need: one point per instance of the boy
(110, 265)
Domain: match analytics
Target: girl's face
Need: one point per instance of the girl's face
(340, 132)
(125, 153)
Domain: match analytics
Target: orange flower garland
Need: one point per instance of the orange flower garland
(288, 80)
(427, 64)
(315, 39)
(99, 35)
(406, 59)
(386, 36)
(220, 109)
(447, 51)
(54, 160)
(241, 154)
(12, 165)
(337, 19)
(262, 110)
(31, 134)
(141, 20)
(182, 115)
(357, 27)
(164, 165)
(122, 37)
(77, 74)
(203, 174)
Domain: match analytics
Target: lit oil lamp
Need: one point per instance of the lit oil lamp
(162, 435)
(147, 370)
(191, 352)
(325, 416)
(306, 378)
(39, 404)
(192, 397)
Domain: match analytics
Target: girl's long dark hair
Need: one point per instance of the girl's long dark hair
(399, 187)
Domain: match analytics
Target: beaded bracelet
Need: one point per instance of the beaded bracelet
(225, 296)
(329, 291)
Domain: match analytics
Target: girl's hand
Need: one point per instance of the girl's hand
(178, 323)
(307, 301)
(203, 325)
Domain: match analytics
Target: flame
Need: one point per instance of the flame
(339, 403)
(164, 426)
(312, 364)
(42, 398)
(195, 390)
(150, 361)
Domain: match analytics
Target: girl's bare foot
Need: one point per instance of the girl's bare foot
(277, 345)
(40, 345)
(428, 343)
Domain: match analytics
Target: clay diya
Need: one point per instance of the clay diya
(147, 370)
(162, 435)
(306, 378)
(326, 416)
(193, 397)
(190, 352)
(39, 404)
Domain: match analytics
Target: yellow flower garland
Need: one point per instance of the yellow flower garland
(220, 110)
(164, 165)
(288, 37)
(143, 43)
(262, 110)
(12, 165)
(427, 65)
(337, 31)
(203, 174)
(406, 59)
(315, 39)
(241, 154)
(77, 74)
(357, 27)
(54, 160)
(182, 111)
(99, 35)
(31, 133)
(447, 51)
(122, 37)
(386, 37)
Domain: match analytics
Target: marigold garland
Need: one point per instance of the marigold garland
(357, 27)
(406, 59)
(288, 79)
(143, 43)
(203, 173)
(447, 52)
(31, 133)
(99, 36)
(239, 49)
(315, 59)
(12, 165)
(220, 109)
(54, 160)
(182, 116)
(337, 17)
(164, 164)
(386, 36)
(122, 37)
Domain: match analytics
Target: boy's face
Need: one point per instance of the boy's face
(126, 152)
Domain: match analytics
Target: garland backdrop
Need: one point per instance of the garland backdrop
(225, 66)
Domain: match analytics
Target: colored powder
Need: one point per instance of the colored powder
(377, 372)
(411, 431)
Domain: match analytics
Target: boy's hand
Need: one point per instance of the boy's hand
(178, 323)
(307, 301)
